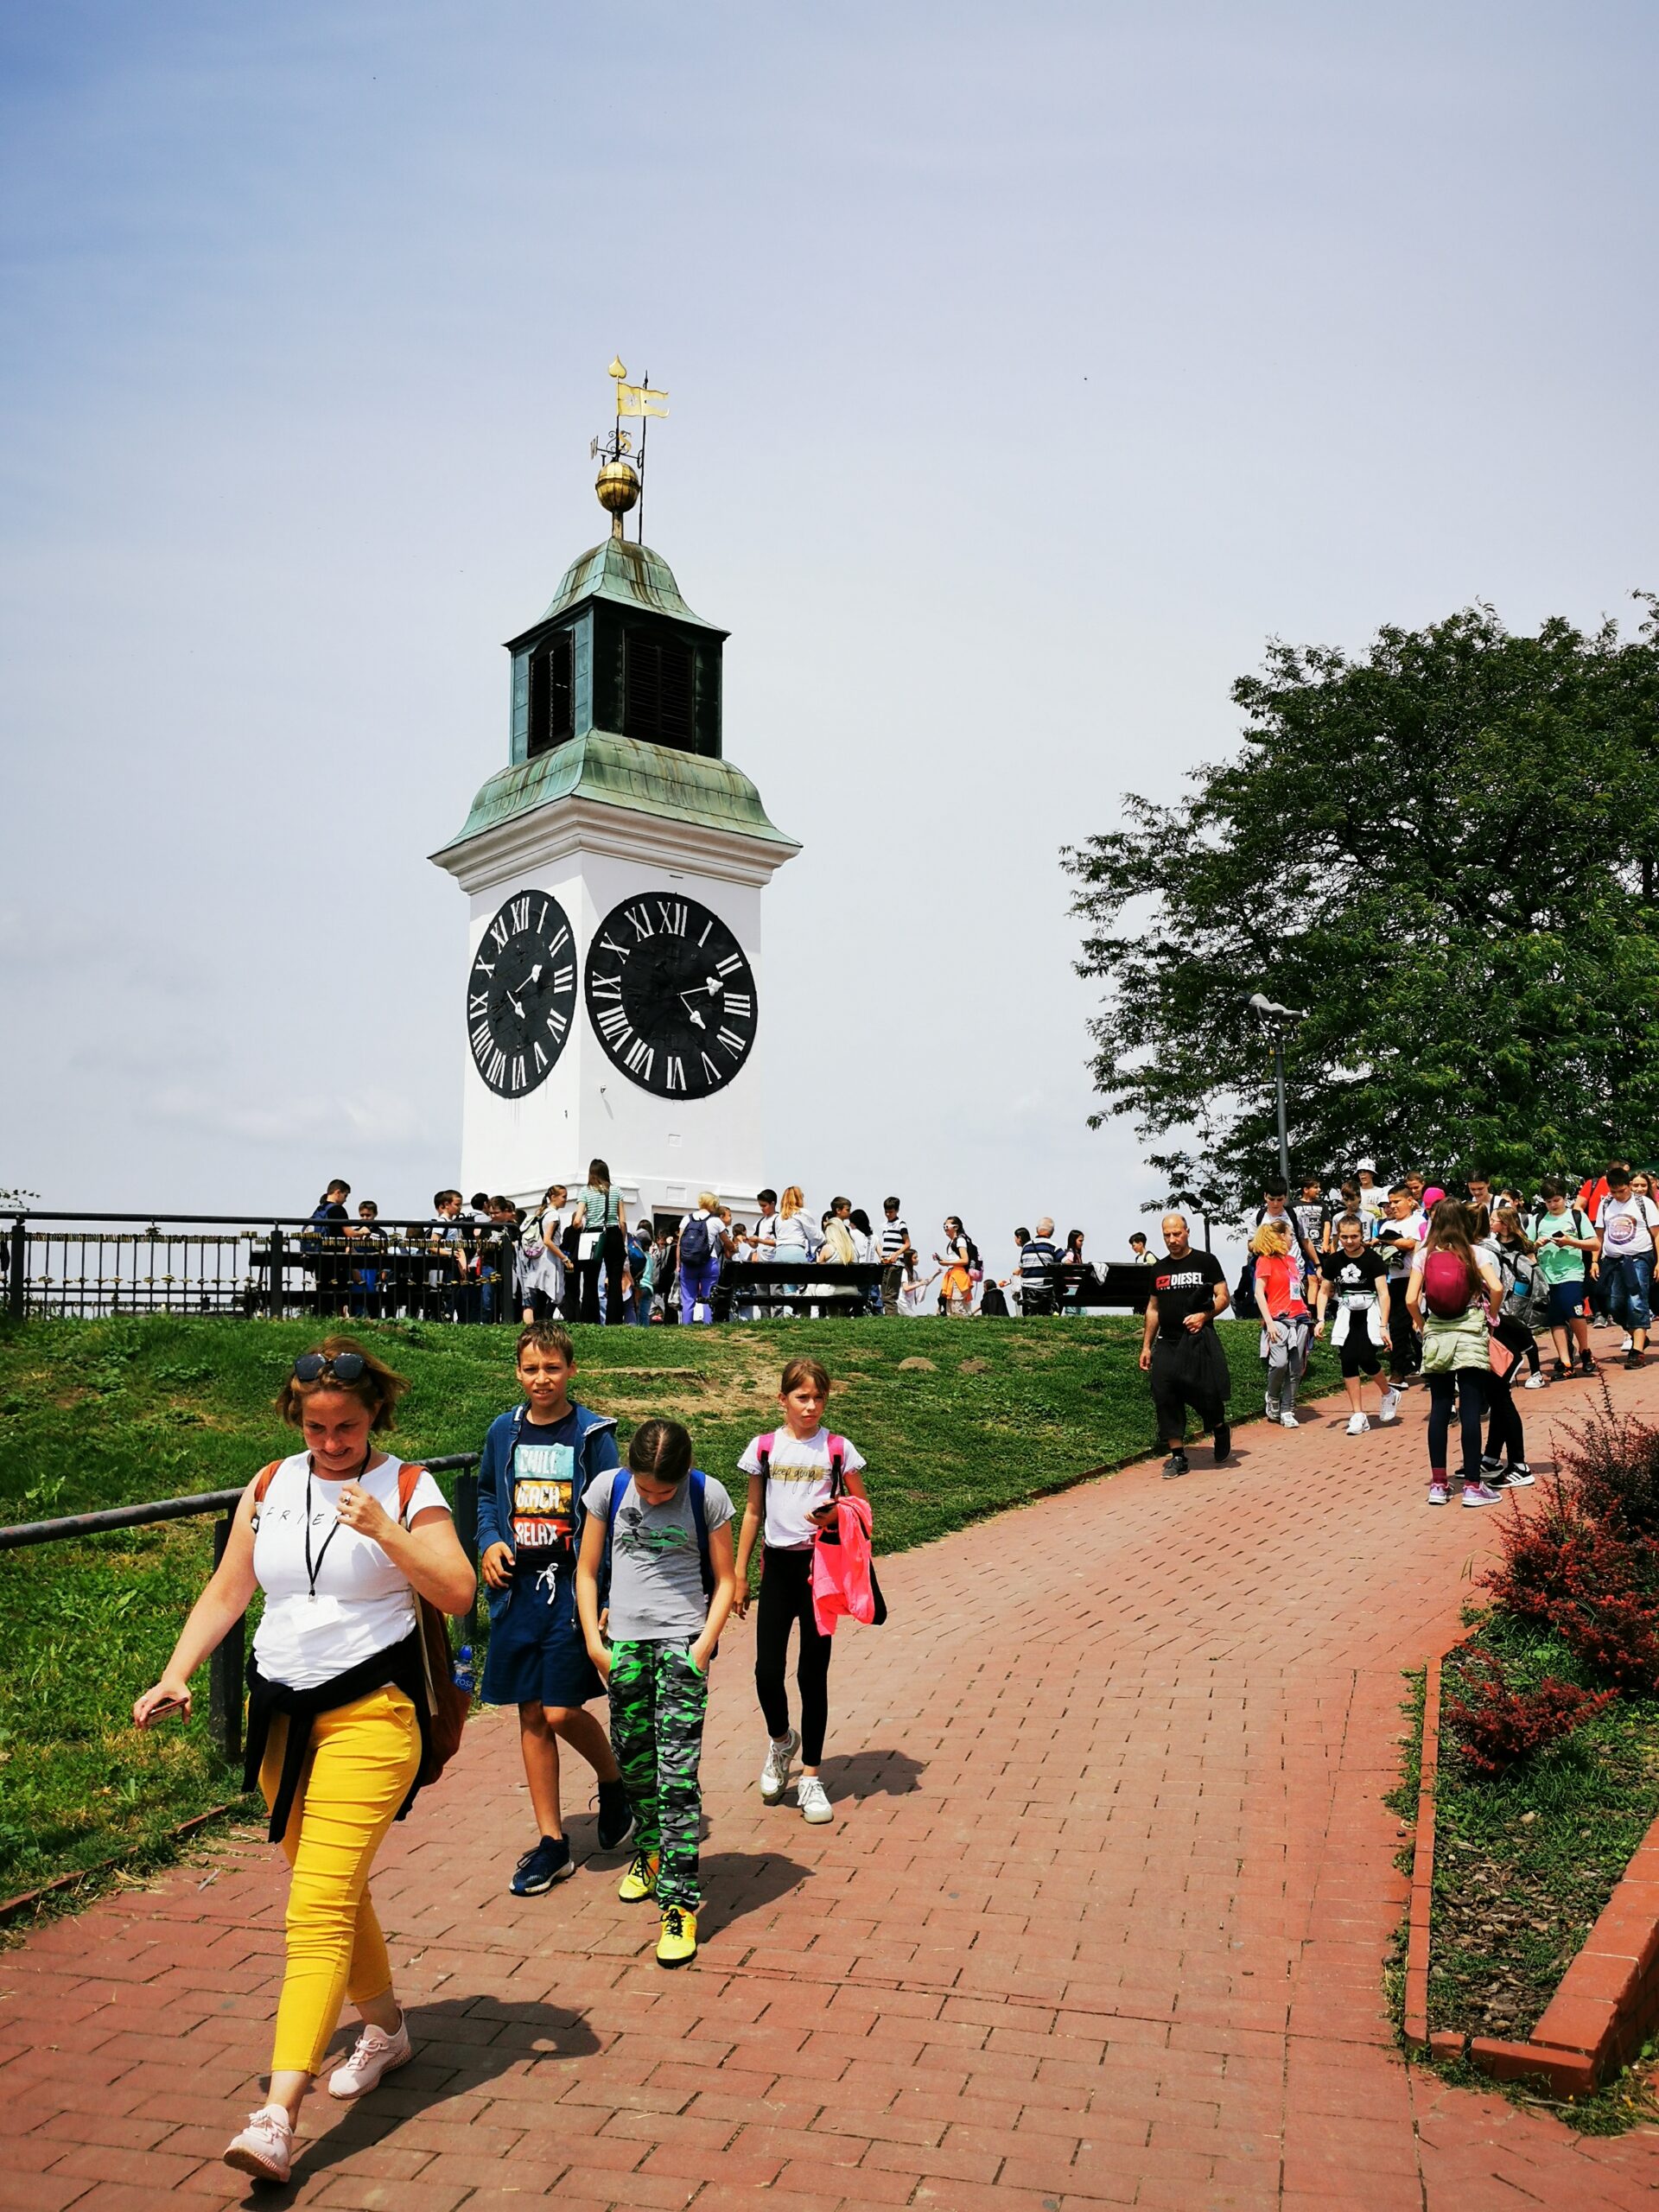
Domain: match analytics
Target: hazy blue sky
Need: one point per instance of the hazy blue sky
(1030, 366)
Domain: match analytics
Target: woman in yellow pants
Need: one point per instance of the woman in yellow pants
(337, 1717)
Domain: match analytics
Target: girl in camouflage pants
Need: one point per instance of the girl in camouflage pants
(654, 1584)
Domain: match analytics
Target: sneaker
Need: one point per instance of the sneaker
(538, 1870)
(1436, 1493)
(1175, 1465)
(374, 2054)
(814, 1803)
(1223, 1443)
(615, 1816)
(1359, 1425)
(677, 1944)
(1557, 1372)
(1390, 1408)
(641, 1880)
(1632, 1359)
(1629, 1343)
(1538, 1382)
(1490, 1462)
(1481, 1494)
(1586, 1364)
(1517, 1476)
(266, 2146)
(1288, 1421)
(774, 1775)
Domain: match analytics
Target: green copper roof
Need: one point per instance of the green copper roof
(622, 771)
(631, 575)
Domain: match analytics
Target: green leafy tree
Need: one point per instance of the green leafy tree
(1445, 850)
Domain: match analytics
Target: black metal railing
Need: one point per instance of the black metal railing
(84, 1265)
(228, 1661)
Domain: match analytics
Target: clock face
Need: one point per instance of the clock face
(671, 995)
(521, 994)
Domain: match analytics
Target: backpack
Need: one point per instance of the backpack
(620, 1481)
(838, 1456)
(447, 1705)
(1448, 1285)
(694, 1241)
(973, 1251)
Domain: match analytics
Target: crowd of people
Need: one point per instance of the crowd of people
(579, 1257)
(609, 1575)
(1470, 1295)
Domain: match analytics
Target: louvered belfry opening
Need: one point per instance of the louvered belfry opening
(657, 689)
(552, 716)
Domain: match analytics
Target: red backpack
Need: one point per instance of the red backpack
(1448, 1285)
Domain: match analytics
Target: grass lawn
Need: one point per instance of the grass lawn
(107, 1413)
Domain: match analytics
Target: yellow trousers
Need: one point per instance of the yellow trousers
(357, 1768)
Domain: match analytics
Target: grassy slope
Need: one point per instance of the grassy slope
(104, 1412)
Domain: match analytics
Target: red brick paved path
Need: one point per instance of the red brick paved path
(1101, 1920)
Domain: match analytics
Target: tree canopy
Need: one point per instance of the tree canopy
(1446, 851)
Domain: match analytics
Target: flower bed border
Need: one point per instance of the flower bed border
(1607, 2002)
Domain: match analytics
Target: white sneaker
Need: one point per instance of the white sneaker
(774, 1775)
(813, 1802)
(266, 2146)
(1538, 1382)
(1288, 1421)
(1359, 1425)
(374, 2055)
(1629, 1343)
(1390, 1408)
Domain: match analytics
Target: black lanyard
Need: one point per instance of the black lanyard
(312, 1573)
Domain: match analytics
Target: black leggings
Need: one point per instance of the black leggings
(786, 1597)
(1467, 1386)
(1505, 1439)
(612, 1253)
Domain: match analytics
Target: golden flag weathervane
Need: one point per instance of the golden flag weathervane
(620, 485)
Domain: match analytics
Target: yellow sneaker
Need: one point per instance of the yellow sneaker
(678, 1941)
(641, 1880)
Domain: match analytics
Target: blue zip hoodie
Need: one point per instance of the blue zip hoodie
(596, 1454)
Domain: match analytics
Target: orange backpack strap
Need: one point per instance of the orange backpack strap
(407, 1477)
(262, 1482)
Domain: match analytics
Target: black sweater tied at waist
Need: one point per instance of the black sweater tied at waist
(399, 1667)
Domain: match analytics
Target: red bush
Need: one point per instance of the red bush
(1586, 1575)
(1497, 1725)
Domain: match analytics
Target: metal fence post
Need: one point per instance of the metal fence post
(467, 1529)
(277, 1242)
(17, 1289)
(225, 1670)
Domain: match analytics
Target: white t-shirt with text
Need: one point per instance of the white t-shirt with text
(800, 1480)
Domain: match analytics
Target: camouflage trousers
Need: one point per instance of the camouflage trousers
(657, 1703)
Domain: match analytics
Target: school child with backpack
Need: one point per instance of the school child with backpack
(654, 1585)
(1286, 1324)
(1455, 1290)
(1566, 1241)
(795, 1475)
(538, 1459)
(700, 1255)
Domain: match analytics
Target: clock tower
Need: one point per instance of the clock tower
(614, 1002)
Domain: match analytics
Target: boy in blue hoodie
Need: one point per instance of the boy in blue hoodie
(538, 1461)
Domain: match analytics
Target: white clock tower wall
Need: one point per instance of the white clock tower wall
(661, 1152)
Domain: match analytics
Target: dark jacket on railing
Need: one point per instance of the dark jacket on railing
(495, 1478)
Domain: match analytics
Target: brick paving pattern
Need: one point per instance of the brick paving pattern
(1102, 1920)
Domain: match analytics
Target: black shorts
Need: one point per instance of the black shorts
(1358, 1354)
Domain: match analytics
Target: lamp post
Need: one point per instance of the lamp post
(1278, 1015)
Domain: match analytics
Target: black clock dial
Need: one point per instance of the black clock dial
(521, 994)
(672, 995)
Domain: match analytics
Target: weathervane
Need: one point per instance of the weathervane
(620, 485)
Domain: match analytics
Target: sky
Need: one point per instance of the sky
(1030, 369)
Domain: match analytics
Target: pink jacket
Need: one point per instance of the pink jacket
(841, 1571)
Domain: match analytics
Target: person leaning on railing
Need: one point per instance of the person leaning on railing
(337, 1718)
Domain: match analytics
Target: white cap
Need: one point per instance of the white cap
(1366, 1167)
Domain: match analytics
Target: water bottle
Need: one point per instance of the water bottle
(463, 1669)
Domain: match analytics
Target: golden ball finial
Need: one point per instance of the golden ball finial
(618, 487)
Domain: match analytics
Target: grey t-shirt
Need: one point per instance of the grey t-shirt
(656, 1575)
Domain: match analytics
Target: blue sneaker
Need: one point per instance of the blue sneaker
(538, 1870)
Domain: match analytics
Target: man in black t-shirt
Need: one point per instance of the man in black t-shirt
(1355, 1277)
(1180, 1351)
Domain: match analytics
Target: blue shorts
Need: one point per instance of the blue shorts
(1565, 1301)
(538, 1654)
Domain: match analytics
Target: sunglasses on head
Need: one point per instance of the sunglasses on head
(344, 1366)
